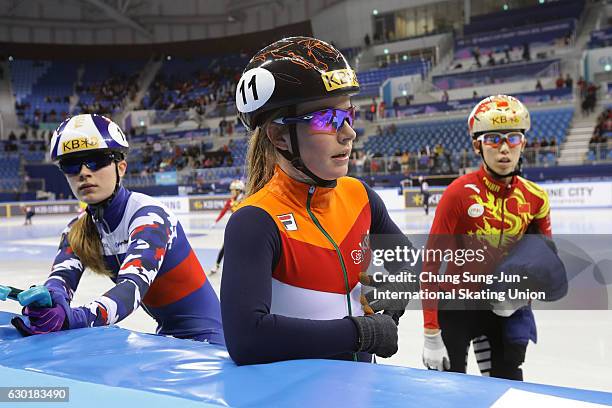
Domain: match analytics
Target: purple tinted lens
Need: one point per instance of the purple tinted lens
(322, 121)
(331, 120)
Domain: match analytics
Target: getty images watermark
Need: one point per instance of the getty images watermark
(490, 271)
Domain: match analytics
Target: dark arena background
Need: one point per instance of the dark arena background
(166, 72)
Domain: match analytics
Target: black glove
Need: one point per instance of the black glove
(394, 308)
(377, 334)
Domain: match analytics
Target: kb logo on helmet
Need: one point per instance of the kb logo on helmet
(503, 120)
(340, 78)
(79, 144)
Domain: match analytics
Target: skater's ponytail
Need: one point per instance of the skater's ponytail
(261, 159)
(85, 242)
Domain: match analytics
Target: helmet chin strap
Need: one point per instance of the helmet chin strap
(97, 209)
(296, 160)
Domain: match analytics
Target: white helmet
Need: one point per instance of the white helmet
(498, 112)
(237, 185)
(87, 132)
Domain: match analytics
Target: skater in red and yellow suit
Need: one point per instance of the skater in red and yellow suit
(493, 207)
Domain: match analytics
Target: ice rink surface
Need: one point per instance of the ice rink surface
(574, 347)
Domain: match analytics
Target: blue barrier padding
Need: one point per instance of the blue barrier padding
(195, 371)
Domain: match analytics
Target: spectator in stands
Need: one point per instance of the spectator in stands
(526, 52)
(405, 162)
(396, 107)
(366, 40)
(595, 144)
(393, 165)
(590, 100)
(392, 129)
(560, 82)
(424, 161)
(365, 164)
(581, 85)
(222, 125)
(359, 162)
(157, 146)
(381, 109)
(543, 146)
(375, 163)
(439, 149)
(373, 110)
(491, 60)
(539, 86)
(474, 94)
(476, 55)
(569, 82)
(507, 54)
(352, 170)
(599, 139)
(445, 96)
(552, 145)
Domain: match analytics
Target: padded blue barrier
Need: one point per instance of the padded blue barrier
(122, 361)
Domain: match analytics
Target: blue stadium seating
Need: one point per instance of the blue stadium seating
(36, 81)
(372, 79)
(97, 72)
(452, 134)
(239, 150)
(9, 172)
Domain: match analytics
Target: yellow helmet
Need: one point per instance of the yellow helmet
(499, 112)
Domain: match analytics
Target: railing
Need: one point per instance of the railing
(598, 153)
(445, 163)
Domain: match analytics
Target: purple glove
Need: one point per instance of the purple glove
(42, 320)
(46, 320)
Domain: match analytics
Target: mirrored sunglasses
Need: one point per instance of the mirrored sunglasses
(495, 139)
(323, 121)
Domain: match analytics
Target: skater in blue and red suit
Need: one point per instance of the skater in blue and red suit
(130, 237)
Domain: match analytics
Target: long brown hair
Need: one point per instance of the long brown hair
(85, 242)
(261, 157)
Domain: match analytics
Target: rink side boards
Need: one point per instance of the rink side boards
(595, 194)
(110, 365)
